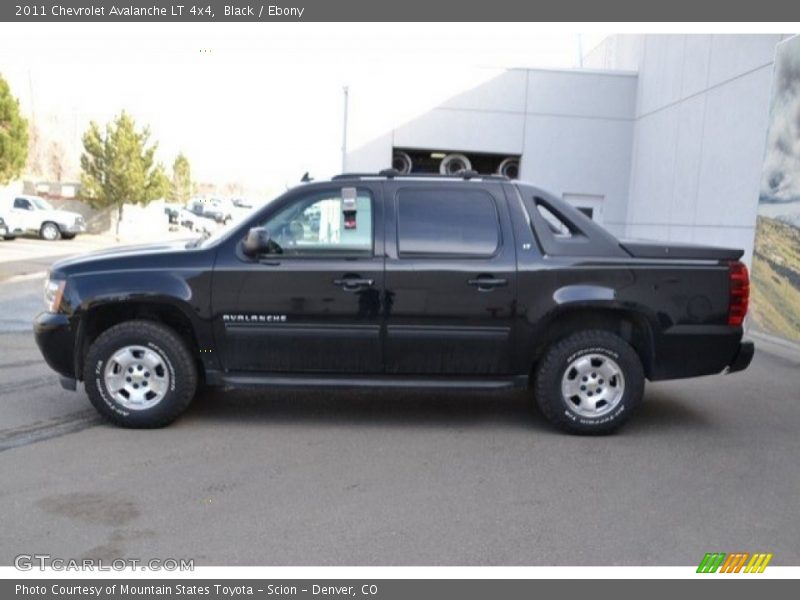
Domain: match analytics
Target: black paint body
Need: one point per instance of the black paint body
(423, 320)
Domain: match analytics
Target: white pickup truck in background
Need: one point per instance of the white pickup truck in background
(35, 215)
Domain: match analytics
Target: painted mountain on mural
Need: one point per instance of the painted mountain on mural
(776, 256)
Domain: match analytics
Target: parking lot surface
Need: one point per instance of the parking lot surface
(396, 478)
(27, 255)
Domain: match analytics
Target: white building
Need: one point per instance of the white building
(661, 137)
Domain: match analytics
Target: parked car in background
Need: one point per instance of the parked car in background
(190, 220)
(196, 206)
(242, 203)
(186, 218)
(221, 210)
(5, 233)
(173, 212)
(35, 215)
(200, 223)
(215, 208)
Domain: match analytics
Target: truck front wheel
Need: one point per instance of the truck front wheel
(49, 231)
(140, 374)
(589, 382)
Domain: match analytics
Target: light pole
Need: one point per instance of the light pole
(344, 130)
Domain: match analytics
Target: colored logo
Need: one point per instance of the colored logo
(736, 562)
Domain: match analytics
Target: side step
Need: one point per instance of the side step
(248, 380)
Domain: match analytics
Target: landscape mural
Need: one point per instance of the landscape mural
(775, 289)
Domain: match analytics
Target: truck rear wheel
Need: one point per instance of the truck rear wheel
(140, 374)
(589, 382)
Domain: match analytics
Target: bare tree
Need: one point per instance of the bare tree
(57, 161)
(233, 188)
(35, 163)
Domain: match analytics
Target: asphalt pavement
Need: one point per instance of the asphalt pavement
(27, 255)
(396, 478)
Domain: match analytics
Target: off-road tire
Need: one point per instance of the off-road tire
(553, 365)
(171, 349)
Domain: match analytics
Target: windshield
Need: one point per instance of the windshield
(223, 230)
(213, 238)
(41, 203)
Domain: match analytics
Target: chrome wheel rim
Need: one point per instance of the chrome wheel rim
(50, 232)
(593, 385)
(136, 377)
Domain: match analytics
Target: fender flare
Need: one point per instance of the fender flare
(599, 305)
(170, 292)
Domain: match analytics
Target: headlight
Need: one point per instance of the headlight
(53, 293)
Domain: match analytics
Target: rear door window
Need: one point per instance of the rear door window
(450, 222)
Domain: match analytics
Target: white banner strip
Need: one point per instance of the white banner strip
(377, 573)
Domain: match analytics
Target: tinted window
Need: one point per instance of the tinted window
(322, 223)
(555, 223)
(441, 221)
(21, 203)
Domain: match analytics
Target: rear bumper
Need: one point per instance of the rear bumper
(743, 357)
(55, 337)
(696, 350)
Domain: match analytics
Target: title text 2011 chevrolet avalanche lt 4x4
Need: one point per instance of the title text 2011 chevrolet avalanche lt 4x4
(387, 281)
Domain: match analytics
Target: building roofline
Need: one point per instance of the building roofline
(579, 71)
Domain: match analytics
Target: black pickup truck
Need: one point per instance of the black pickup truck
(468, 282)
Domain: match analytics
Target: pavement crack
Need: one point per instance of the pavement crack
(21, 363)
(45, 430)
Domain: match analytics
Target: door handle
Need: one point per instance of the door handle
(353, 284)
(487, 284)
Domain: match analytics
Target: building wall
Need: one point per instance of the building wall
(701, 119)
(574, 130)
(676, 152)
(578, 134)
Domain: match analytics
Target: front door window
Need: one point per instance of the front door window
(325, 223)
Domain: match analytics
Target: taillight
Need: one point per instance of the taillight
(739, 281)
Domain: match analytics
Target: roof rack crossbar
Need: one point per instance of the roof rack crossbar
(394, 174)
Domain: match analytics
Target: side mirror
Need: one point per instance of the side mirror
(257, 241)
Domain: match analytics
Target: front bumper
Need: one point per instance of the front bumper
(55, 336)
(77, 227)
(743, 357)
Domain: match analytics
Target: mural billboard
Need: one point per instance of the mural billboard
(775, 287)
